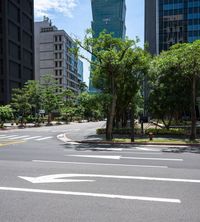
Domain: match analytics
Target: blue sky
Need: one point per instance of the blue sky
(74, 16)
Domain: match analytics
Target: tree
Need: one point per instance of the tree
(177, 73)
(6, 113)
(20, 103)
(188, 55)
(169, 90)
(91, 105)
(51, 95)
(34, 94)
(111, 55)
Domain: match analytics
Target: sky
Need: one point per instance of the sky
(75, 16)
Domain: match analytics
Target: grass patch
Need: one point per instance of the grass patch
(157, 140)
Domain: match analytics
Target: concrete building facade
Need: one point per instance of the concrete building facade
(16, 45)
(53, 55)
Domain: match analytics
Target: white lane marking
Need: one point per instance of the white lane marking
(57, 178)
(86, 150)
(19, 137)
(101, 195)
(99, 164)
(44, 138)
(148, 149)
(97, 156)
(149, 158)
(142, 153)
(120, 157)
(8, 136)
(33, 137)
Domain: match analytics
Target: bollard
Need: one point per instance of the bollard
(150, 136)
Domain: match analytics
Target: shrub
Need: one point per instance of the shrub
(175, 131)
(120, 131)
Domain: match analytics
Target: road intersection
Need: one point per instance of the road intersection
(56, 181)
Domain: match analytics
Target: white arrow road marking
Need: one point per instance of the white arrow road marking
(57, 178)
(120, 157)
(110, 196)
(99, 164)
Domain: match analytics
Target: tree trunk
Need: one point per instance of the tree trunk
(132, 126)
(109, 134)
(193, 110)
(49, 118)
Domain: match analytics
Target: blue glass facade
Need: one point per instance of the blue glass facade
(108, 15)
(179, 21)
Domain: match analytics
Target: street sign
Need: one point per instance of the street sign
(41, 111)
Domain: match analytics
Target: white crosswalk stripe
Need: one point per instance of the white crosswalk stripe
(19, 137)
(45, 138)
(7, 137)
(33, 137)
(24, 137)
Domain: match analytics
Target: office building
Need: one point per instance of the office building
(16, 46)
(53, 55)
(168, 22)
(108, 15)
(80, 70)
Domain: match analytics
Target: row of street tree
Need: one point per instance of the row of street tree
(119, 68)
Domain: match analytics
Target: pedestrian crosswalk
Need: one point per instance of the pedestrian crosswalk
(24, 137)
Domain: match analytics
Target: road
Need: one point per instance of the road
(46, 180)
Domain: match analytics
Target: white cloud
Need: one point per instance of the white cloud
(46, 7)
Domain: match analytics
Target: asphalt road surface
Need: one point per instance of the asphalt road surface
(43, 179)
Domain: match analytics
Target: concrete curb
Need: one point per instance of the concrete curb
(134, 143)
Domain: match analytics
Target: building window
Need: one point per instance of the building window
(14, 51)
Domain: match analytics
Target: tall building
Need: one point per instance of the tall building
(108, 15)
(53, 55)
(16, 45)
(80, 70)
(171, 21)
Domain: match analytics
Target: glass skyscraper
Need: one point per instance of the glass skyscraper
(108, 15)
(170, 22)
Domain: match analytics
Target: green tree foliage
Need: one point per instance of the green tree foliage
(169, 94)
(6, 113)
(52, 97)
(114, 60)
(175, 82)
(20, 104)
